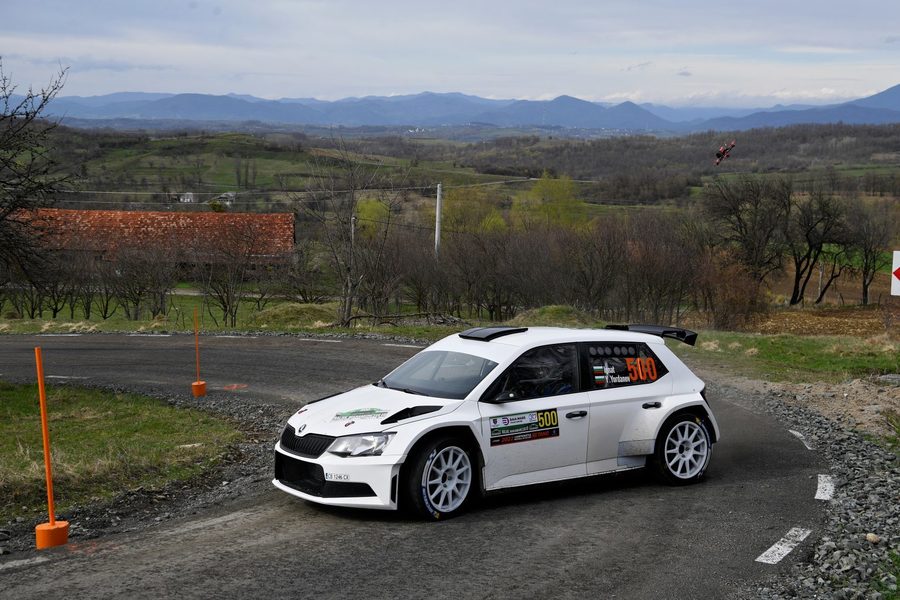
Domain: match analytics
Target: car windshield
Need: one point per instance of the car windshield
(439, 373)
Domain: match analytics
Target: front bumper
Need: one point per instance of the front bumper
(359, 482)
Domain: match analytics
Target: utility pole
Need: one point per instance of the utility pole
(437, 223)
(352, 243)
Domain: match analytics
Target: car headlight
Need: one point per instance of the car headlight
(369, 444)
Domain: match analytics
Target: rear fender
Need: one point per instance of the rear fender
(639, 436)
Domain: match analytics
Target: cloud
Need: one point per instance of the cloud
(336, 48)
(815, 50)
(617, 97)
(638, 67)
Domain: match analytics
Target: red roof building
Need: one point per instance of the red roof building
(106, 231)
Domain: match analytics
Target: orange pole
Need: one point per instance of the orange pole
(45, 431)
(54, 533)
(197, 340)
(198, 388)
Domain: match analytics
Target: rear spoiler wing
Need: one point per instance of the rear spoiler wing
(676, 333)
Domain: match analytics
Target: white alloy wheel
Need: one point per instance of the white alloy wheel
(447, 478)
(686, 450)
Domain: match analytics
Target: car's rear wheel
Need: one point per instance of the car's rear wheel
(683, 450)
(441, 479)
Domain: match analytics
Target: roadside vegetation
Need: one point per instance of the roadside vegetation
(621, 229)
(796, 358)
(103, 444)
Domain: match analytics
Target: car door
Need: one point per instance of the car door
(534, 419)
(624, 379)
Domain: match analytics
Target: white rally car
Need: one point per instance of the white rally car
(498, 407)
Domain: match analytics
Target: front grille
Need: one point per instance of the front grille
(309, 478)
(311, 445)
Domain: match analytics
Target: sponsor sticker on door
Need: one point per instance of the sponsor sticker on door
(524, 427)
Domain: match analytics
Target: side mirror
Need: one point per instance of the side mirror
(505, 396)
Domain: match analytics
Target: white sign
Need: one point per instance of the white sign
(895, 274)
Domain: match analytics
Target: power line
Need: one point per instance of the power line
(412, 226)
(306, 191)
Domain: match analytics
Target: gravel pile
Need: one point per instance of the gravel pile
(851, 558)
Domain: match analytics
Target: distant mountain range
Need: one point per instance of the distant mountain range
(430, 109)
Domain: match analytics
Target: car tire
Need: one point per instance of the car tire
(442, 479)
(683, 450)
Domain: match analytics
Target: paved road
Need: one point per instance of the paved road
(622, 537)
(285, 370)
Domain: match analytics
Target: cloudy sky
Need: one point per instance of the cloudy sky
(667, 51)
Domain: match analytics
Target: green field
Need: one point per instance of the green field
(796, 358)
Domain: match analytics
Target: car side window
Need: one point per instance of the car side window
(618, 364)
(539, 373)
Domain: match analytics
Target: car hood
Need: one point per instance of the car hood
(367, 409)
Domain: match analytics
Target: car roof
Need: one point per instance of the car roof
(501, 347)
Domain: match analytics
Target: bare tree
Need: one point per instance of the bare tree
(225, 267)
(56, 280)
(659, 272)
(84, 282)
(28, 175)
(593, 265)
(378, 253)
(815, 222)
(752, 213)
(25, 294)
(331, 201)
(871, 229)
(303, 274)
(834, 261)
(105, 278)
(145, 276)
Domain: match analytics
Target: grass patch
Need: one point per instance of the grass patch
(893, 568)
(179, 317)
(103, 444)
(553, 316)
(892, 441)
(291, 315)
(797, 358)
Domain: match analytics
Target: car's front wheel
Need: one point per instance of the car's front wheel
(683, 450)
(441, 479)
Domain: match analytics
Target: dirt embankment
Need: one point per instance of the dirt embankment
(866, 405)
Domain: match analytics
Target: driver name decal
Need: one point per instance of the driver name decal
(524, 427)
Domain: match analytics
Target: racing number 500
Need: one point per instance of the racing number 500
(641, 369)
(547, 418)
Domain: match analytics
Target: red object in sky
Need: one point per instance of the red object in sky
(724, 152)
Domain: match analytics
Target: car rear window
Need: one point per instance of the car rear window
(620, 364)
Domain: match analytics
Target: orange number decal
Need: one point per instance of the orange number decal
(633, 373)
(641, 369)
(650, 368)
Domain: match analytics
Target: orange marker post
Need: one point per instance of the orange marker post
(198, 388)
(54, 533)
